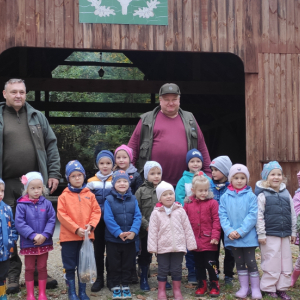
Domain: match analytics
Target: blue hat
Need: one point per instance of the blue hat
(1, 181)
(269, 167)
(193, 153)
(118, 175)
(72, 166)
(105, 153)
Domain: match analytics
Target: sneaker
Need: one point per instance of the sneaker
(126, 292)
(283, 295)
(228, 281)
(13, 285)
(272, 294)
(117, 294)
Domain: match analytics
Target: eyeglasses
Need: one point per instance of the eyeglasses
(76, 176)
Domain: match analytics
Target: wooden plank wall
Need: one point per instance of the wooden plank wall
(243, 27)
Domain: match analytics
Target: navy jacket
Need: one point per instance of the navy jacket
(122, 214)
(135, 181)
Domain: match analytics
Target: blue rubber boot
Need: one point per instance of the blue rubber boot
(144, 286)
(71, 290)
(81, 291)
(168, 286)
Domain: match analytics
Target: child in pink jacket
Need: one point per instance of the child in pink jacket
(170, 234)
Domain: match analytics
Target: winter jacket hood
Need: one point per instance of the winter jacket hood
(259, 188)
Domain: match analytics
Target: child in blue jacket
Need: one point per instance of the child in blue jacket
(101, 186)
(123, 221)
(8, 238)
(238, 216)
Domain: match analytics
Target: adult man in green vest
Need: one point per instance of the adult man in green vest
(166, 134)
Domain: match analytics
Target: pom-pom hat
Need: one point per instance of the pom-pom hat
(26, 179)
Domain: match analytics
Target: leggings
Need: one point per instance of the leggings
(41, 263)
(245, 256)
(170, 262)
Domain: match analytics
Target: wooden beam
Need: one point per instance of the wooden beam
(96, 63)
(92, 121)
(131, 86)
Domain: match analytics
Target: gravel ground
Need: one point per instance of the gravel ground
(55, 270)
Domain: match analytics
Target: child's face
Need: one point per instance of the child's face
(195, 164)
(122, 185)
(275, 178)
(239, 180)
(217, 175)
(76, 179)
(122, 160)
(167, 198)
(105, 166)
(35, 189)
(154, 176)
(1, 192)
(201, 191)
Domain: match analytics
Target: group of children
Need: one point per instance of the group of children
(128, 217)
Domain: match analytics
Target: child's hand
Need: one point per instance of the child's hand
(214, 241)
(123, 236)
(80, 232)
(130, 236)
(88, 228)
(262, 241)
(39, 239)
(293, 239)
(233, 235)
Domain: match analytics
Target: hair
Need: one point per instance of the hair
(45, 191)
(266, 184)
(202, 180)
(12, 81)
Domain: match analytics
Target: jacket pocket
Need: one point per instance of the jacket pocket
(37, 136)
(144, 149)
(206, 233)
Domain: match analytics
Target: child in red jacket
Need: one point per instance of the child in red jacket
(202, 211)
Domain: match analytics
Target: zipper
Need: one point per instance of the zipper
(80, 207)
(173, 242)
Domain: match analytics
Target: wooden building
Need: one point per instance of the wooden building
(242, 56)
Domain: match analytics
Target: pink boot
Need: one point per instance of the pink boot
(162, 290)
(42, 289)
(176, 290)
(295, 276)
(30, 290)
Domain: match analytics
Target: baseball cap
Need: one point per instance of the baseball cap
(169, 88)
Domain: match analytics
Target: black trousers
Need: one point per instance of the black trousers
(99, 247)
(206, 260)
(145, 257)
(120, 257)
(170, 263)
(229, 261)
(4, 267)
(245, 257)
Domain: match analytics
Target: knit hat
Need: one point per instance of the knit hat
(162, 187)
(1, 181)
(268, 168)
(118, 175)
(193, 153)
(105, 153)
(149, 165)
(26, 179)
(127, 149)
(223, 164)
(72, 166)
(238, 168)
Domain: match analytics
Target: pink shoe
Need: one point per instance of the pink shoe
(30, 290)
(42, 290)
(162, 290)
(176, 290)
(283, 295)
(295, 276)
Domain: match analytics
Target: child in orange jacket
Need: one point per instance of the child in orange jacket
(77, 211)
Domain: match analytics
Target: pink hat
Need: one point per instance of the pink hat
(127, 149)
(238, 168)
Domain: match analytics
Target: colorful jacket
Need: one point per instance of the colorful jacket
(147, 199)
(170, 233)
(219, 191)
(32, 219)
(8, 232)
(75, 210)
(238, 211)
(44, 141)
(205, 222)
(122, 214)
(296, 200)
(184, 185)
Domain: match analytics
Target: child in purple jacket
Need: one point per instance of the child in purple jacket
(35, 222)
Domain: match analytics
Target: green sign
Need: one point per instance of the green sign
(148, 12)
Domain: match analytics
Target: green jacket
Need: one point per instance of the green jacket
(147, 199)
(44, 140)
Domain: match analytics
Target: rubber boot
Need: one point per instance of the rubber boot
(255, 289)
(98, 284)
(30, 290)
(3, 292)
(295, 276)
(201, 289)
(71, 290)
(144, 286)
(42, 289)
(244, 282)
(161, 295)
(81, 291)
(176, 290)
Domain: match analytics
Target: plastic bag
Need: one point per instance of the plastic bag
(87, 265)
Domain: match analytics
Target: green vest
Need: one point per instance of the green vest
(146, 138)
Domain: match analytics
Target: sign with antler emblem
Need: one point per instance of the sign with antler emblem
(148, 12)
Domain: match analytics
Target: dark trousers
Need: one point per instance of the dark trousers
(13, 190)
(145, 257)
(4, 267)
(170, 263)
(245, 257)
(70, 257)
(120, 257)
(99, 247)
(229, 261)
(206, 260)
